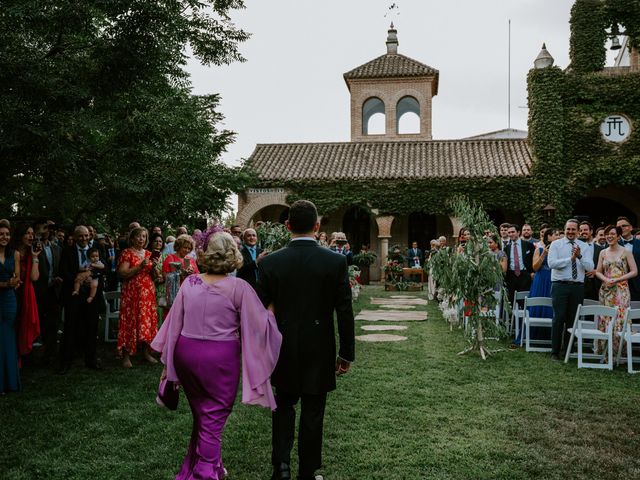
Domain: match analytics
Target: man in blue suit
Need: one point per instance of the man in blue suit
(629, 242)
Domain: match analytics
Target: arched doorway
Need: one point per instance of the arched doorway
(602, 211)
(422, 228)
(356, 224)
(271, 213)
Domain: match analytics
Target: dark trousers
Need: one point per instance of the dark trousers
(49, 314)
(565, 298)
(283, 422)
(80, 329)
(517, 283)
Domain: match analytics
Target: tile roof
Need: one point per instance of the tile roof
(391, 65)
(392, 160)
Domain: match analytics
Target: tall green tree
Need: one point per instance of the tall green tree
(98, 118)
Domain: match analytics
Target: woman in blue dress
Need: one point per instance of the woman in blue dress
(9, 281)
(541, 285)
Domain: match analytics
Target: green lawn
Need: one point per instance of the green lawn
(407, 410)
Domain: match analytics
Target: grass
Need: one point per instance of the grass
(407, 410)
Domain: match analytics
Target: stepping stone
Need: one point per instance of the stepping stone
(401, 307)
(403, 296)
(382, 328)
(391, 316)
(398, 301)
(380, 337)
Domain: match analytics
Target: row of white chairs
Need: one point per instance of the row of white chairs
(585, 328)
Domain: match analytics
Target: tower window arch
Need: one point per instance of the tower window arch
(373, 117)
(408, 115)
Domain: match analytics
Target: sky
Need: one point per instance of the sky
(291, 88)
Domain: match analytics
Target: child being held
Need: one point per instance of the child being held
(90, 274)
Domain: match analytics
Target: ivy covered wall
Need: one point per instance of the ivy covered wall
(567, 108)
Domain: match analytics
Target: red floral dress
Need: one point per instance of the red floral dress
(138, 315)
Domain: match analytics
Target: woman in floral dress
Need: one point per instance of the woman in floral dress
(138, 315)
(615, 267)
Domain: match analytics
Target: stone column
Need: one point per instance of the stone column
(456, 224)
(384, 223)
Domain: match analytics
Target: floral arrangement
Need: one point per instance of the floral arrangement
(354, 281)
(393, 269)
(273, 236)
(365, 258)
(202, 239)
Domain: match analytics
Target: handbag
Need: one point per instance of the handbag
(168, 394)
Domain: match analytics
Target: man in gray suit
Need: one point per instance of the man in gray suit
(47, 289)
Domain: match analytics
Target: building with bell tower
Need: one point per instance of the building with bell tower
(391, 96)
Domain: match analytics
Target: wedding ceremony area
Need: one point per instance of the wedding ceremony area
(408, 409)
(320, 240)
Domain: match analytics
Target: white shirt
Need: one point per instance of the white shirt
(559, 260)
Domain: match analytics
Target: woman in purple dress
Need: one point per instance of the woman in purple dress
(215, 325)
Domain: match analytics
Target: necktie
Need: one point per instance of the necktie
(574, 265)
(516, 259)
(252, 251)
(627, 242)
(83, 256)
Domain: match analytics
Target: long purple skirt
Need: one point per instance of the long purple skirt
(209, 372)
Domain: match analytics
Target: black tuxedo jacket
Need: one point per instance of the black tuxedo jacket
(527, 253)
(41, 285)
(306, 284)
(249, 267)
(69, 267)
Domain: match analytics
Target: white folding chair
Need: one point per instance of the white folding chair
(630, 334)
(588, 302)
(111, 314)
(517, 313)
(530, 321)
(585, 327)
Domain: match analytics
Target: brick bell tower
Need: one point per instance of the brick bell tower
(391, 96)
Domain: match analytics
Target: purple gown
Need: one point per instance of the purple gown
(203, 349)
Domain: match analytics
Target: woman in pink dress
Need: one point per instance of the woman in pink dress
(138, 314)
(216, 324)
(177, 266)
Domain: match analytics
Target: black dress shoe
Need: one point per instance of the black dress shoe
(281, 472)
(555, 357)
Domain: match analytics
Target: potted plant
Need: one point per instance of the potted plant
(364, 260)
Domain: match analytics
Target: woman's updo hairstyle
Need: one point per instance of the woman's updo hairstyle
(222, 255)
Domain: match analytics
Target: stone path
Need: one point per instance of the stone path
(382, 328)
(380, 337)
(391, 316)
(398, 301)
(397, 308)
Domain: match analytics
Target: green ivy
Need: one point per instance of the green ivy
(402, 197)
(586, 46)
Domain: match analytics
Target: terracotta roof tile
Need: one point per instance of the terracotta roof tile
(391, 65)
(392, 160)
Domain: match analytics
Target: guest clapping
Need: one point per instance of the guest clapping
(178, 266)
(9, 281)
(216, 324)
(138, 315)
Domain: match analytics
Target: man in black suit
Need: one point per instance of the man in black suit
(414, 256)
(305, 283)
(80, 317)
(591, 282)
(251, 256)
(629, 242)
(519, 262)
(47, 289)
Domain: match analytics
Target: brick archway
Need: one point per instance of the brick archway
(256, 203)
